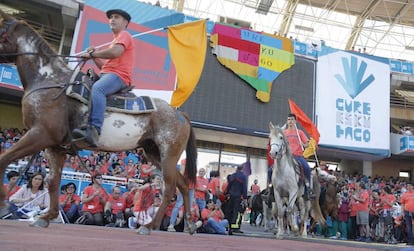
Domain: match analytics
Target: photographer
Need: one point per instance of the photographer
(213, 218)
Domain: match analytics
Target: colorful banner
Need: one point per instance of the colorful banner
(256, 57)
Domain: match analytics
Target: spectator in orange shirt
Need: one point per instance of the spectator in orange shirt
(201, 189)
(213, 217)
(353, 209)
(144, 200)
(12, 187)
(362, 220)
(407, 209)
(115, 208)
(131, 169)
(69, 201)
(214, 186)
(129, 198)
(93, 199)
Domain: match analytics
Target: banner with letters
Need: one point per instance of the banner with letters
(353, 102)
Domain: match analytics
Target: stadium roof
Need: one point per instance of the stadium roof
(383, 27)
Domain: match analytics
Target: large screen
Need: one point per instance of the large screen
(223, 101)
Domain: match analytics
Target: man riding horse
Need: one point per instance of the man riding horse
(116, 73)
(298, 141)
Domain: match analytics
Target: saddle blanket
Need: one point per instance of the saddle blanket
(120, 102)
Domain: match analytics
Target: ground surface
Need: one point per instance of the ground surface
(15, 235)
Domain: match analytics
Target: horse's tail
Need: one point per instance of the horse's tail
(316, 212)
(191, 155)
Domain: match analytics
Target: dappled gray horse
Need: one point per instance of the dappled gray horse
(287, 186)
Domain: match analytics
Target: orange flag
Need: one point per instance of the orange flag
(188, 44)
(305, 121)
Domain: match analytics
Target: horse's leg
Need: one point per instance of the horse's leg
(169, 176)
(30, 143)
(56, 158)
(280, 214)
(265, 215)
(289, 210)
(303, 216)
(182, 186)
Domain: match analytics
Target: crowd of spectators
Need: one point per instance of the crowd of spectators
(378, 197)
(369, 210)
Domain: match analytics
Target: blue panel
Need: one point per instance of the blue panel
(9, 75)
(403, 143)
(395, 65)
(407, 67)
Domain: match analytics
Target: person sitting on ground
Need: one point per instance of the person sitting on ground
(69, 201)
(213, 217)
(115, 208)
(31, 197)
(12, 187)
(93, 200)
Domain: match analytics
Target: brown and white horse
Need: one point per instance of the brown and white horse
(50, 116)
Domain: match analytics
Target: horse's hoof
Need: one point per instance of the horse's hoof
(39, 222)
(192, 228)
(143, 230)
(279, 237)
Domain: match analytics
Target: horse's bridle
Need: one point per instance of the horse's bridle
(6, 30)
(281, 147)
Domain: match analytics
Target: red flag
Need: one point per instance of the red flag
(305, 121)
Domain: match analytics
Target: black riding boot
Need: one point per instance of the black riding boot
(89, 133)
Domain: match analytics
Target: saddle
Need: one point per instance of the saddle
(125, 101)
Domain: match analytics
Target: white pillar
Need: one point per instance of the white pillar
(367, 168)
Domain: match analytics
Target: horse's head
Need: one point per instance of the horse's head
(277, 140)
(324, 175)
(8, 47)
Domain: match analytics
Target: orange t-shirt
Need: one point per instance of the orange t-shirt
(122, 65)
(388, 197)
(145, 199)
(363, 206)
(66, 207)
(201, 183)
(294, 143)
(407, 199)
(117, 205)
(255, 189)
(213, 185)
(94, 206)
(129, 198)
(216, 216)
(13, 191)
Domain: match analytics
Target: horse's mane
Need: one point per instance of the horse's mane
(39, 42)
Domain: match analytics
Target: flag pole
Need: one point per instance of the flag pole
(300, 141)
(136, 35)
(140, 34)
